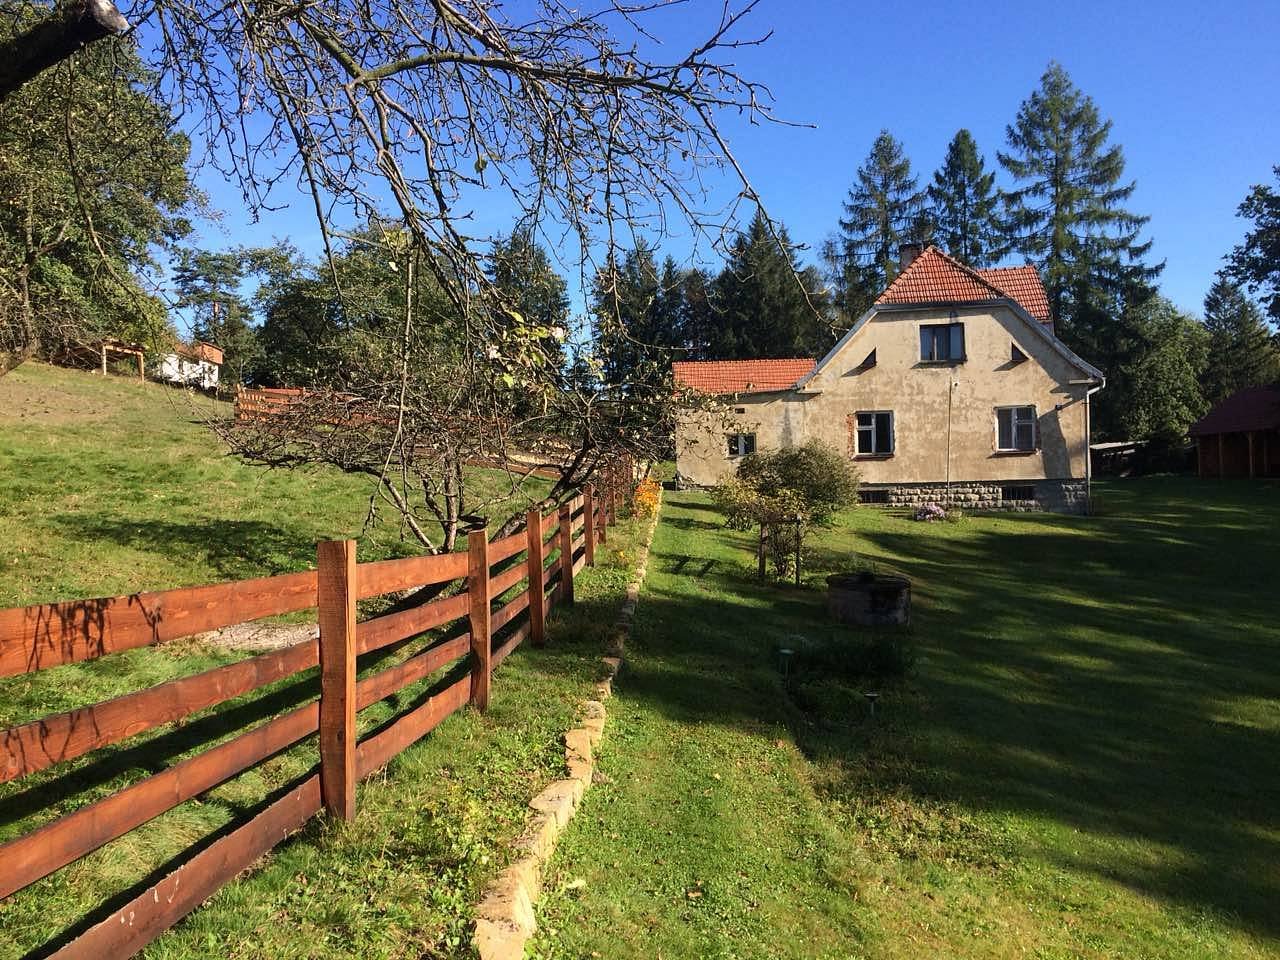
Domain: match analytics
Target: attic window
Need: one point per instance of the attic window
(1018, 356)
(739, 409)
(942, 343)
(868, 362)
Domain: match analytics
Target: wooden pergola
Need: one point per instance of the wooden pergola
(1240, 437)
(118, 348)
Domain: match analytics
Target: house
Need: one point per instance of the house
(1240, 437)
(196, 365)
(952, 388)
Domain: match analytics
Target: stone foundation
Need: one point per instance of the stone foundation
(1054, 496)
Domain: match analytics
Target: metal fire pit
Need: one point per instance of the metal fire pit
(868, 600)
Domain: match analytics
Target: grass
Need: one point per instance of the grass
(111, 486)
(1082, 763)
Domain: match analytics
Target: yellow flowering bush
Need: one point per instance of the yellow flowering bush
(645, 500)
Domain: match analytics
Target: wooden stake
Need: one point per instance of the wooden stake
(760, 553)
(589, 522)
(481, 637)
(566, 554)
(336, 601)
(537, 594)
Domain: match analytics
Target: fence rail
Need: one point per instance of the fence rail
(474, 595)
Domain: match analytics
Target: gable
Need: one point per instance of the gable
(1010, 337)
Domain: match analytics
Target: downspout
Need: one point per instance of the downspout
(1088, 452)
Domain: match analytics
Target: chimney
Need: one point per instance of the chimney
(907, 254)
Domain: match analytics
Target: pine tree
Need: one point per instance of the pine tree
(1242, 352)
(1066, 213)
(768, 305)
(963, 205)
(884, 210)
(208, 284)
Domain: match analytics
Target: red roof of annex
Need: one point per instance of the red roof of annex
(1253, 408)
(741, 376)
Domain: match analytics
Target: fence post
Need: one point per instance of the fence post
(614, 474)
(537, 596)
(603, 526)
(589, 522)
(481, 637)
(566, 553)
(336, 613)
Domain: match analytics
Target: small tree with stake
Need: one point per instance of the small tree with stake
(782, 493)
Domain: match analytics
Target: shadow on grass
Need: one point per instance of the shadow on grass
(1111, 675)
(234, 548)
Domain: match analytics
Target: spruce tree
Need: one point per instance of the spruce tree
(885, 209)
(768, 305)
(622, 297)
(1066, 213)
(1242, 352)
(527, 282)
(963, 205)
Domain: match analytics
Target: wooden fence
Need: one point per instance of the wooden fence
(549, 551)
(261, 403)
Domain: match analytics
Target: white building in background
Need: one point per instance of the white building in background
(196, 365)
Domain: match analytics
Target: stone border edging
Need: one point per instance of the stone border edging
(505, 918)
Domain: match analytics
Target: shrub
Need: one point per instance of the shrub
(810, 482)
(814, 474)
(644, 502)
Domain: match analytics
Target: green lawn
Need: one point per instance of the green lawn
(1082, 764)
(110, 486)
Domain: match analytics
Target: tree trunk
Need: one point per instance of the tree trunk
(55, 38)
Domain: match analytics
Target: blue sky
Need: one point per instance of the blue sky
(1190, 88)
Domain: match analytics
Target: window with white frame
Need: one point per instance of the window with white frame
(741, 444)
(1016, 428)
(875, 433)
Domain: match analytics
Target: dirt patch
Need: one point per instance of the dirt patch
(25, 401)
(259, 637)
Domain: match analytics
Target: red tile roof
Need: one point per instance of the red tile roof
(1023, 285)
(741, 376)
(1254, 408)
(934, 277)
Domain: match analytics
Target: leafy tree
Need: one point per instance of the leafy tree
(1241, 350)
(92, 191)
(1066, 212)
(963, 205)
(761, 310)
(1256, 262)
(1155, 392)
(884, 210)
(207, 283)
